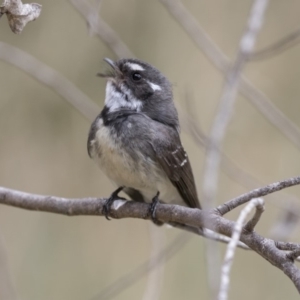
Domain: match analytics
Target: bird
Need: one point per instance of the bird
(135, 139)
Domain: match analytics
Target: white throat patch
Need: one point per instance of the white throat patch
(115, 100)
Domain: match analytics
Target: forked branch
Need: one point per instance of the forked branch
(272, 251)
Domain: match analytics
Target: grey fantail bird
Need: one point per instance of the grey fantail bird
(135, 139)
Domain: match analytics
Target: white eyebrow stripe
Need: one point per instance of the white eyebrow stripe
(155, 87)
(135, 67)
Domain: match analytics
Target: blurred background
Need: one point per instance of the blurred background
(43, 149)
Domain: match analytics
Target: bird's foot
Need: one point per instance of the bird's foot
(108, 203)
(152, 210)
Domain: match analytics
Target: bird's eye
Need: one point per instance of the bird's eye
(136, 76)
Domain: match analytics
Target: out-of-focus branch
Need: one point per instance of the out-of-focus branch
(219, 128)
(66, 89)
(155, 279)
(127, 280)
(286, 223)
(222, 63)
(227, 101)
(163, 256)
(19, 14)
(202, 40)
(98, 26)
(50, 78)
(288, 203)
(167, 213)
(7, 289)
(229, 255)
(277, 48)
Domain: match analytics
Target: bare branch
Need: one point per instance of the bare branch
(277, 48)
(51, 78)
(220, 124)
(228, 260)
(127, 280)
(259, 205)
(156, 278)
(227, 101)
(270, 111)
(222, 63)
(294, 254)
(232, 169)
(197, 34)
(19, 14)
(208, 234)
(163, 256)
(99, 27)
(287, 246)
(7, 288)
(166, 213)
(222, 238)
(86, 206)
(260, 192)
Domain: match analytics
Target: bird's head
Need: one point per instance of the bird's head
(135, 85)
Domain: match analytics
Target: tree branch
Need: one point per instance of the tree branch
(220, 124)
(278, 47)
(237, 231)
(260, 192)
(123, 282)
(51, 78)
(98, 26)
(167, 213)
(222, 63)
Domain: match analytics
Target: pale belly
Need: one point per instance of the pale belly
(140, 173)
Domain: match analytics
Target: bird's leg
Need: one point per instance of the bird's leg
(108, 203)
(152, 210)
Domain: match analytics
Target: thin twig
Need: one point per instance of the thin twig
(214, 236)
(7, 288)
(294, 254)
(99, 27)
(259, 205)
(197, 34)
(227, 102)
(231, 168)
(260, 192)
(219, 128)
(277, 48)
(222, 63)
(122, 283)
(155, 279)
(287, 246)
(50, 78)
(230, 252)
(163, 256)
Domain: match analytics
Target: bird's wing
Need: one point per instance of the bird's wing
(175, 162)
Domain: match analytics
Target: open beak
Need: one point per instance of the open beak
(115, 71)
(110, 62)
